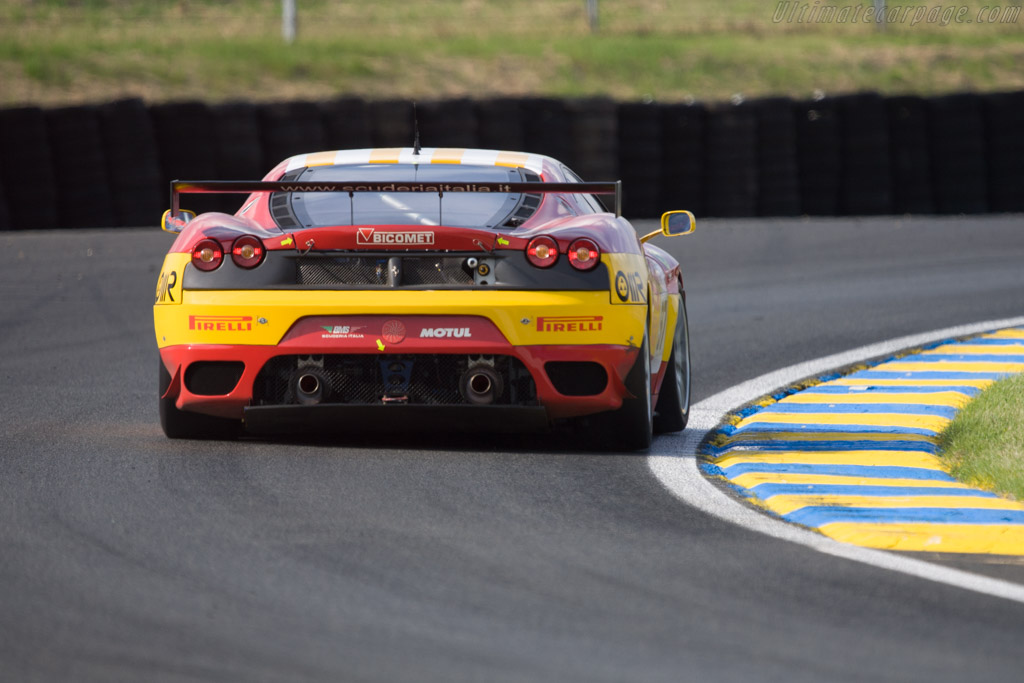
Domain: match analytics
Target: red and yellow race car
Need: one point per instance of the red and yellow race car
(451, 289)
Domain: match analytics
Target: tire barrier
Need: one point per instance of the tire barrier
(957, 148)
(864, 137)
(188, 148)
(346, 124)
(500, 123)
(447, 123)
(778, 181)
(80, 168)
(594, 131)
(391, 123)
(290, 128)
(640, 158)
(1004, 127)
(682, 158)
(109, 164)
(133, 162)
(818, 156)
(546, 128)
(26, 169)
(909, 161)
(730, 161)
(5, 216)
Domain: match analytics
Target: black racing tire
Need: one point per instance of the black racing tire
(672, 411)
(179, 424)
(631, 428)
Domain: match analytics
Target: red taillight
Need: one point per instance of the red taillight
(584, 254)
(207, 255)
(542, 252)
(247, 251)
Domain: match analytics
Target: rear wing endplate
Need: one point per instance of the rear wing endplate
(179, 187)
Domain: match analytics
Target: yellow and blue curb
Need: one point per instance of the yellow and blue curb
(856, 457)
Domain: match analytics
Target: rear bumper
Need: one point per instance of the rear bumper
(238, 403)
(254, 327)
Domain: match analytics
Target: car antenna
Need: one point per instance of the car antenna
(416, 131)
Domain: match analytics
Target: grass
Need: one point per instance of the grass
(60, 51)
(984, 445)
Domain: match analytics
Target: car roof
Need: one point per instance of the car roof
(427, 155)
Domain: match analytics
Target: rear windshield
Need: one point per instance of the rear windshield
(458, 209)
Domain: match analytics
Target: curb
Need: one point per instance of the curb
(855, 456)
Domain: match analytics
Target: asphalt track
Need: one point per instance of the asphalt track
(126, 556)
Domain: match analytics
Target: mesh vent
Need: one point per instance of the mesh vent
(373, 270)
(434, 271)
(354, 270)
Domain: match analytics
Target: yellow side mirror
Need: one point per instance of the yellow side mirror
(673, 224)
(176, 224)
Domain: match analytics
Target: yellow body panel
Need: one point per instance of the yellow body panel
(264, 316)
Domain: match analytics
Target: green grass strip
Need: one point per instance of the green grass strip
(984, 444)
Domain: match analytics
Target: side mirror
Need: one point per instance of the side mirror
(675, 223)
(176, 224)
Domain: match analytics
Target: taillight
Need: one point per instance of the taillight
(584, 254)
(247, 251)
(542, 252)
(207, 254)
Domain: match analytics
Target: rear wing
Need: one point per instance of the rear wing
(179, 187)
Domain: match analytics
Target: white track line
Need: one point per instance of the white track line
(673, 460)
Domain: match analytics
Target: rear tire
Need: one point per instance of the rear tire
(630, 427)
(673, 408)
(179, 424)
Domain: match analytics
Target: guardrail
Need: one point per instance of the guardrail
(110, 164)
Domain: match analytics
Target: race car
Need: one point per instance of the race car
(420, 288)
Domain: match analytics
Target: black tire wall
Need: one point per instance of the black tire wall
(80, 168)
(909, 159)
(818, 157)
(778, 179)
(137, 188)
(958, 154)
(26, 169)
(730, 161)
(1004, 125)
(110, 164)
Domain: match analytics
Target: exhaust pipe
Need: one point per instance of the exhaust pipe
(480, 385)
(309, 388)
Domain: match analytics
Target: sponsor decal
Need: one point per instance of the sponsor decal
(570, 323)
(630, 287)
(220, 323)
(393, 332)
(445, 333)
(342, 331)
(372, 236)
(397, 187)
(165, 287)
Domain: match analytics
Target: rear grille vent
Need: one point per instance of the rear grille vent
(383, 271)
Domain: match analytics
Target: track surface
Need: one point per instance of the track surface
(126, 556)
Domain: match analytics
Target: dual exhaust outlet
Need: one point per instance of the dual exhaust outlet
(480, 384)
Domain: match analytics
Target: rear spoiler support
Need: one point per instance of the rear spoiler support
(179, 187)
